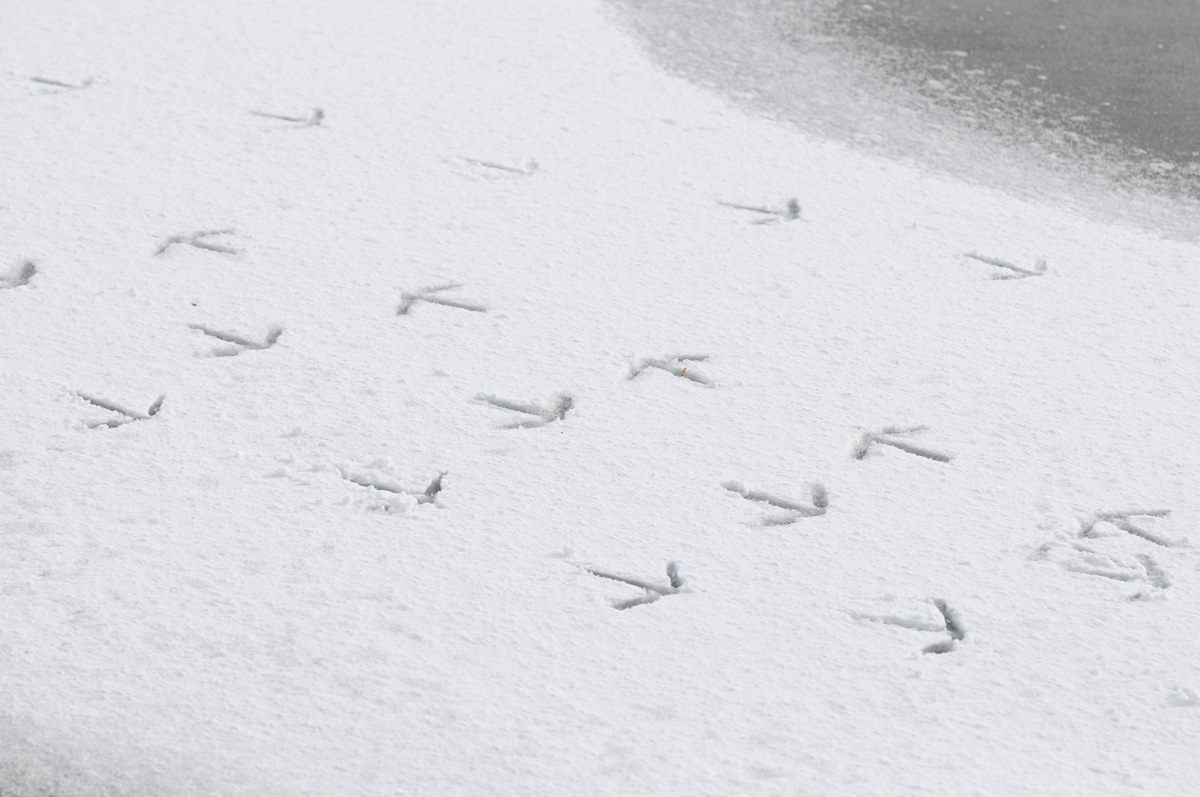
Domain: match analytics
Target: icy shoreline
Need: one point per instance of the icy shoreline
(823, 67)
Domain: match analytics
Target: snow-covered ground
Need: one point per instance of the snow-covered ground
(246, 589)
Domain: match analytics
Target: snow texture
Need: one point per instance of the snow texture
(379, 554)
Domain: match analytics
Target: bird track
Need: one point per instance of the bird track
(552, 409)
(888, 437)
(433, 296)
(954, 628)
(528, 167)
(1013, 271)
(789, 211)
(1106, 545)
(652, 590)
(793, 510)
(240, 344)
(129, 416)
(313, 119)
(918, 617)
(62, 85)
(676, 365)
(427, 496)
(1124, 522)
(198, 240)
(1086, 558)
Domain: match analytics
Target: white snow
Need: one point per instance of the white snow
(251, 590)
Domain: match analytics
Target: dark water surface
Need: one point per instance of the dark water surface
(1090, 104)
(1121, 72)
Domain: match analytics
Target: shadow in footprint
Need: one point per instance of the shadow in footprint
(20, 275)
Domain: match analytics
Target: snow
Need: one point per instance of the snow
(255, 589)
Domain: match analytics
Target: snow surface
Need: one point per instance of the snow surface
(855, 444)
